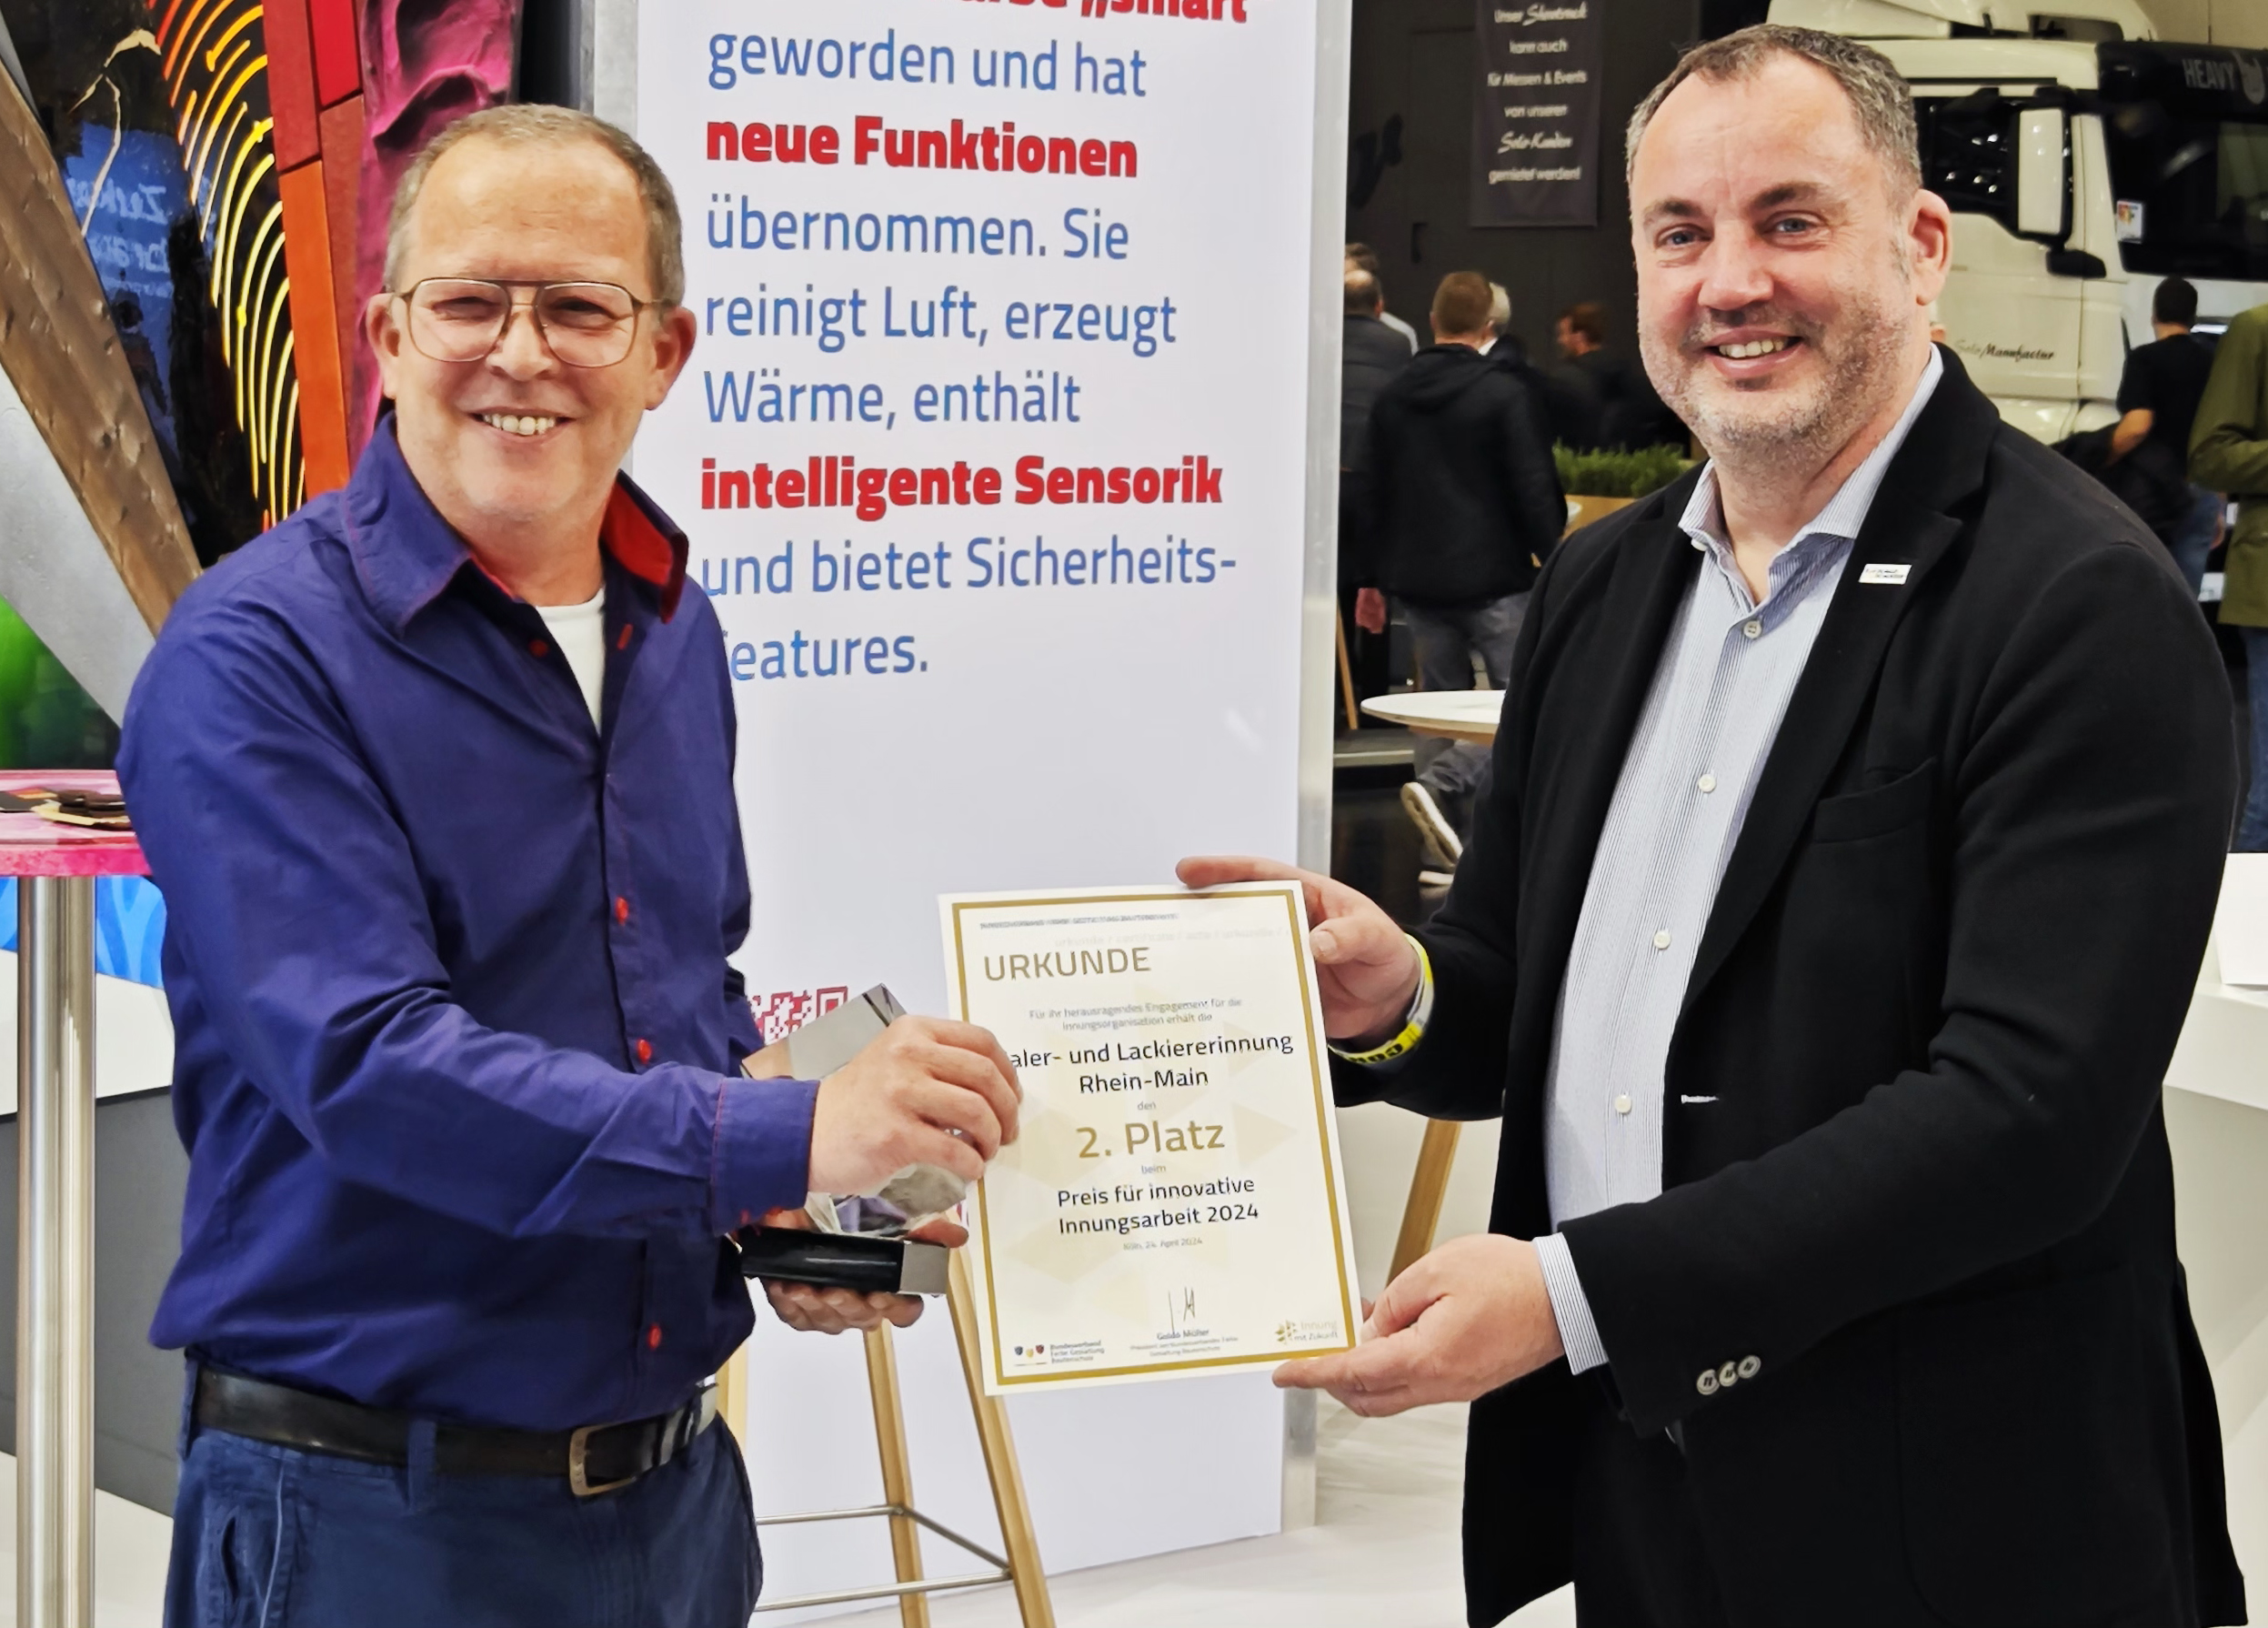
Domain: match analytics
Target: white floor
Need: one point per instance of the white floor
(1383, 1550)
(130, 1545)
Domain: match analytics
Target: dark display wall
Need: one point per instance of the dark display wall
(1409, 181)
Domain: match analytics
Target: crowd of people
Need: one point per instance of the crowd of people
(1449, 496)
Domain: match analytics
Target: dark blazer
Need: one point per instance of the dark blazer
(1933, 1005)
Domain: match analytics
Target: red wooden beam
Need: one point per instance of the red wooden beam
(338, 63)
(290, 82)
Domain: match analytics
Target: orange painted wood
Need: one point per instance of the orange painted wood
(342, 192)
(315, 328)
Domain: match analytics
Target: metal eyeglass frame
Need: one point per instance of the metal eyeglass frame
(534, 313)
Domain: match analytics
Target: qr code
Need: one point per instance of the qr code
(782, 1012)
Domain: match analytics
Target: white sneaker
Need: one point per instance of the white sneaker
(1442, 841)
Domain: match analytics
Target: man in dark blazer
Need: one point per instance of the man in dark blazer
(1857, 821)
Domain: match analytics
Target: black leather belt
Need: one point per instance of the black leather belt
(597, 1458)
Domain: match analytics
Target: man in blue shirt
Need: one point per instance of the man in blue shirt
(436, 776)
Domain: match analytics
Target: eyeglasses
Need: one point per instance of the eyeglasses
(464, 320)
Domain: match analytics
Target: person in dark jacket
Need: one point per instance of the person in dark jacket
(2157, 401)
(1371, 354)
(1858, 820)
(1465, 505)
(1629, 413)
(1570, 414)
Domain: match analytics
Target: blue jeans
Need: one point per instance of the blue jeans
(1447, 637)
(2193, 539)
(267, 1537)
(2252, 832)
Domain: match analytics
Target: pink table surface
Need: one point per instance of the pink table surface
(30, 846)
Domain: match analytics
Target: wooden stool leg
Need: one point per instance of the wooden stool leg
(1346, 676)
(1428, 1188)
(1017, 1538)
(898, 1480)
(732, 1388)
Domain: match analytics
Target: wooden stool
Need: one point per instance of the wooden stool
(1019, 1568)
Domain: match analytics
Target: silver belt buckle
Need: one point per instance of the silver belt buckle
(578, 1466)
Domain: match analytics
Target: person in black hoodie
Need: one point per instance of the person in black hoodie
(1465, 503)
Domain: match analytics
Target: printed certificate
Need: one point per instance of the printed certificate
(1174, 1204)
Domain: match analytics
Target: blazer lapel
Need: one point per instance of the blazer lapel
(1942, 463)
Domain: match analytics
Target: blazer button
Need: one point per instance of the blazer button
(1750, 1368)
(645, 1054)
(1728, 1376)
(1707, 1384)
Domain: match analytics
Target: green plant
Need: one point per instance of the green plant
(46, 720)
(1618, 473)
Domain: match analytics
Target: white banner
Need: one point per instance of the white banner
(995, 452)
(992, 447)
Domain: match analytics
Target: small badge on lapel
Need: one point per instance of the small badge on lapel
(1885, 576)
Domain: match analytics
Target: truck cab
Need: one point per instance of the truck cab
(2085, 159)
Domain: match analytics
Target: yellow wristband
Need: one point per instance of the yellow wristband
(1412, 1029)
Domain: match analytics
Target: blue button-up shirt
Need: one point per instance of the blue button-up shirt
(1729, 668)
(455, 1042)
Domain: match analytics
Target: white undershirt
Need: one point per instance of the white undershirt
(580, 632)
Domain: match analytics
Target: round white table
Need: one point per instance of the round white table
(1450, 714)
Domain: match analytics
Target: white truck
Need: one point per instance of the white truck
(2086, 159)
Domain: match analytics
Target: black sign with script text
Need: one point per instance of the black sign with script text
(1535, 113)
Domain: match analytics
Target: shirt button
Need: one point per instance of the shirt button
(645, 1050)
(1661, 939)
(1751, 630)
(1622, 1103)
(621, 910)
(1707, 783)
(537, 649)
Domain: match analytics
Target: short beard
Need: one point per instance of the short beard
(1788, 430)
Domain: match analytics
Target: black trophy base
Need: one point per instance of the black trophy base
(843, 1260)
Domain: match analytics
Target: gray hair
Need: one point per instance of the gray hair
(537, 124)
(1879, 98)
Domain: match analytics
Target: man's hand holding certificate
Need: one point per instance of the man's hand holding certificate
(1174, 1202)
(1472, 1315)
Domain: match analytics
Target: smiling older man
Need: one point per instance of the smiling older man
(1857, 824)
(437, 779)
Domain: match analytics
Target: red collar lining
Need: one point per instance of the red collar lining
(644, 550)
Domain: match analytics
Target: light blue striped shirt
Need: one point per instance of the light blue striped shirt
(1728, 671)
